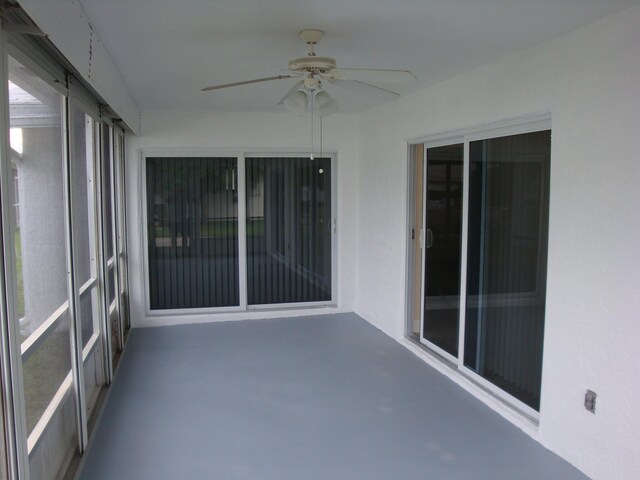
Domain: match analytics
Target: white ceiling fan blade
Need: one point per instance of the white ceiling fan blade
(246, 82)
(367, 88)
(290, 92)
(373, 75)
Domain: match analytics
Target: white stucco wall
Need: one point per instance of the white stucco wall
(590, 82)
(242, 132)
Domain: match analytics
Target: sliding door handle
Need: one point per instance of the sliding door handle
(429, 238)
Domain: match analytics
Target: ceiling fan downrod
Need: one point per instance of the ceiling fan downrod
(311, 36)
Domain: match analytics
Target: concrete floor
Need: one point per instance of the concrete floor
(325, 397)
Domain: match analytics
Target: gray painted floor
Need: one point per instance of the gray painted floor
(325, 397)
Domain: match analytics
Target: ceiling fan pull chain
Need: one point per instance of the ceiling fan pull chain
(312, 99)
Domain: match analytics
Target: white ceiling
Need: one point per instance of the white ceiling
(167, 50)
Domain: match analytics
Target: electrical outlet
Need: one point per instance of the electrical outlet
(590, 401)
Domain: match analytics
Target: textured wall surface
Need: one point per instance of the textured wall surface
(207, 132)
(589, 81)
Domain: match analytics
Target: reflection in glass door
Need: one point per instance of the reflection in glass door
(442, 241)
(192, 232)
(288, 230)
(507, 258)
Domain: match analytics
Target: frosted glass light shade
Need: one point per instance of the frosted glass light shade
(326, 104)
(296, 103)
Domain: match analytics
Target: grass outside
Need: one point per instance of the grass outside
(44, 372)
(219, 229)
(46, 369)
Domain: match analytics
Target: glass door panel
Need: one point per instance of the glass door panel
(288, 230)
(192, 232)
(507, 257)
(442, 246)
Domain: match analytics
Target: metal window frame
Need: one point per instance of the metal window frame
(74, 301)
(15, 428)
(42, 333)
(169, 153)
(449, 140)
(80, 99)
(119, 145)
(107, 264)
(112, 262)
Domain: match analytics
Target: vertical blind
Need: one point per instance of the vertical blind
(288, 230)
(507, 257)
(192, 216)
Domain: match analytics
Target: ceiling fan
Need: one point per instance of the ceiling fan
(312, 70)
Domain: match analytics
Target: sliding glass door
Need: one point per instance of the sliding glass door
(507, 259)
(442, 242)
(484, 280)
(192, 232)
(238, 232)
(288, 230)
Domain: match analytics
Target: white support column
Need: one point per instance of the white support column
(103, 271)
(77, 365)
(463, 253)
(242, 229)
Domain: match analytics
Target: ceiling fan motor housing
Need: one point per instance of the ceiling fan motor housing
(312, 65)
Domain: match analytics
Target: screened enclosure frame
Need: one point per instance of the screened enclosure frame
(521, 125)
(240, 155)
(21, 444)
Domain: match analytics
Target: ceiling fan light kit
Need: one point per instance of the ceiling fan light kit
(326, 104)
(308, 96)
(312, 69)
(296, 102)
